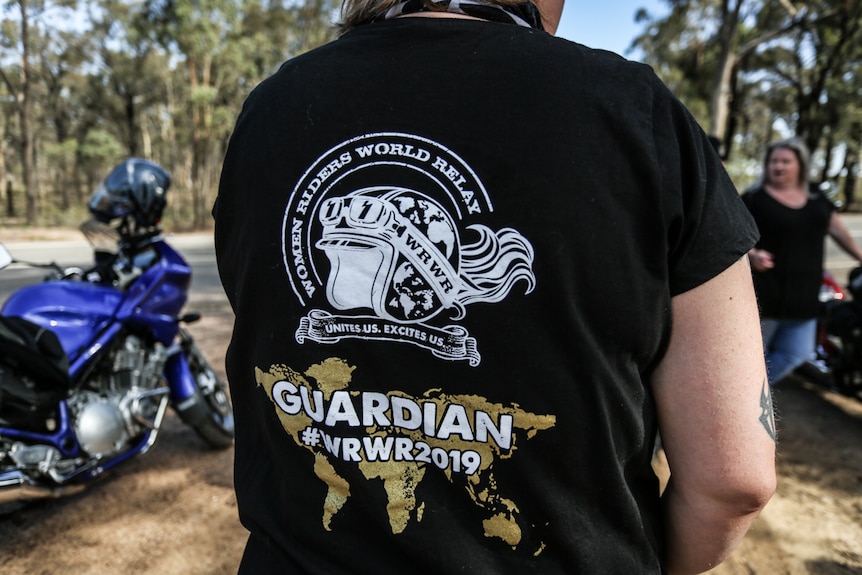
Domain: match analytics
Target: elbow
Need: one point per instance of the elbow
(757, 484)
(761, 494)
(768, 483)
(740, 487)
(754, 498)
(746, 494)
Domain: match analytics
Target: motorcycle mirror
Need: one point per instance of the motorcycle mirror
(5, 257)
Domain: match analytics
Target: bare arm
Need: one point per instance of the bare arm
(839, 232)
(715, 418)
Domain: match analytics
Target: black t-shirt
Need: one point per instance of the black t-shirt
(795, 238)
(451, 247)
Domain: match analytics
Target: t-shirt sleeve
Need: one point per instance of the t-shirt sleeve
(708, 225)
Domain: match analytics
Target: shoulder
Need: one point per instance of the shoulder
(570, 62)
(823, 205)
(619, 69)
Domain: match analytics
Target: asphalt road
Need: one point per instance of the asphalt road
(197, 249)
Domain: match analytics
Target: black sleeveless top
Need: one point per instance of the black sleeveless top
(795, 238)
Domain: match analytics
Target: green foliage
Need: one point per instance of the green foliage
(100, 150)
(792, 68)
(203, 95)
(165, 79)
(162, 79)
(9, 33)
(57, 152)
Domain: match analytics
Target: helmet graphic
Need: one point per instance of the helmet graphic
(391, 249)
(136, 188)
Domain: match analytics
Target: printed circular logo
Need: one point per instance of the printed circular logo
(383, 240)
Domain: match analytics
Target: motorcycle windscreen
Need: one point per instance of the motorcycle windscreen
(76, 311)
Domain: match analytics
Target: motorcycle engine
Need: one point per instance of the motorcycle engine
(101, 424)
(113, 409)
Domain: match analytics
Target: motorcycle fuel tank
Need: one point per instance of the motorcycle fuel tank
(75, 311)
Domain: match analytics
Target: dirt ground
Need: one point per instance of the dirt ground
(173, 511)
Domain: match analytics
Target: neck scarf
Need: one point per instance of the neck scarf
(525, 14)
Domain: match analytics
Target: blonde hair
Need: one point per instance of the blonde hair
(357, 12)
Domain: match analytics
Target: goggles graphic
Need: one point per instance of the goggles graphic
(356, 212)
(368, 239)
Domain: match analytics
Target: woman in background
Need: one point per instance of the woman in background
(793, 218)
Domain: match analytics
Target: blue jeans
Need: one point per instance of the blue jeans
(788, 344)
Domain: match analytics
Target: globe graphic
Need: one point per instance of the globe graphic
(410, 296)
(429, 219)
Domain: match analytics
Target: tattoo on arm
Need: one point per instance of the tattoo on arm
(767, 413)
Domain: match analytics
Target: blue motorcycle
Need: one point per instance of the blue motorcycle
(90, 360)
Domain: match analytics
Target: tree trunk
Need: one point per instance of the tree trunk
(25, 111)
(10, 200)
(3, 182)
(851, 164)
(827, 160)
(719, 106)
(202, 119)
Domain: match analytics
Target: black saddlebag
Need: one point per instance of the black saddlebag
(34, 370)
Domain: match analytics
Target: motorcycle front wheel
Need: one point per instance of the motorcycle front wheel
(217, 426)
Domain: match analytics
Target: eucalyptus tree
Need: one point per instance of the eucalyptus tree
(129, 70)
(128, 102)
(707, 40)
(845, 102)
(225, 48)
(747, 66)
(61, 57)
(824, 56)
(15, 40)
(276, 30)
(198, 33)
(31, 30)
